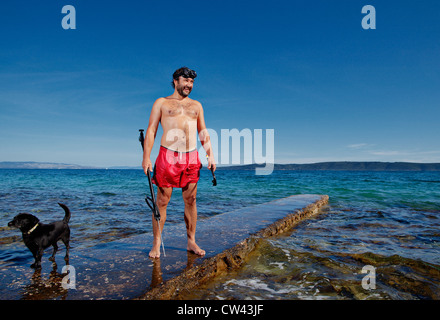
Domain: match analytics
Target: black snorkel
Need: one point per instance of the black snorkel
(214, 179)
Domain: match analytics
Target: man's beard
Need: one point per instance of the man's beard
(181, 91)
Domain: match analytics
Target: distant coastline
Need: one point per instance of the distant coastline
(319, 166)
(348, 166)
(40, 165)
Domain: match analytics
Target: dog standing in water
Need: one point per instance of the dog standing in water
(38, 236)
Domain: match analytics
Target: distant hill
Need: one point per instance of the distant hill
(347, 166)
(40, 165)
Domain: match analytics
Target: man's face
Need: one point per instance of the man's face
(184, 86)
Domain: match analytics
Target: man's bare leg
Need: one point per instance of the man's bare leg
(162, 200)
(189, 194)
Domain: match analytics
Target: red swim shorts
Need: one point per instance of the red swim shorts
(176, 169)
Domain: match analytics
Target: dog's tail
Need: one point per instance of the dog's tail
(67, 211)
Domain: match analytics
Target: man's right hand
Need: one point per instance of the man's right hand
(147, 165)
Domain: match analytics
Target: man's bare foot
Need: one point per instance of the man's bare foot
(155, 251)
(193, 247)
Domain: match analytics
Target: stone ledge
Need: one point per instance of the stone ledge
(229, 259)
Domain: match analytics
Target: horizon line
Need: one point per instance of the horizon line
(77, 166)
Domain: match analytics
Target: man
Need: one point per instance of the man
(178, 164)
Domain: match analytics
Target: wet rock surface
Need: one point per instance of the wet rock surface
(122, 269)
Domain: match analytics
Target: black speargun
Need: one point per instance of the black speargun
(151, 201)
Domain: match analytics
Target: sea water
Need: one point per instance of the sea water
(387, 220)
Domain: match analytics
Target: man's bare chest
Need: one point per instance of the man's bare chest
(176, 109)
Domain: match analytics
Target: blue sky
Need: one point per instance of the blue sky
(331, 90)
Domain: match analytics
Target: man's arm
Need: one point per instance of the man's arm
(205, 139)
(150, 135)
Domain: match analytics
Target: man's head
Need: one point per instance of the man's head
(183, 80)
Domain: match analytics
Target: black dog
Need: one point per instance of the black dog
(38, 236)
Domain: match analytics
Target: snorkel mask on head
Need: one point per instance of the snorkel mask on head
(183, 72)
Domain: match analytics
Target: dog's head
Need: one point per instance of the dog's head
(24, 221)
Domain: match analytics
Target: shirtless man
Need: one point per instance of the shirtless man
(178, 164)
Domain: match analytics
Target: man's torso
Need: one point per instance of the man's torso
(179, 123)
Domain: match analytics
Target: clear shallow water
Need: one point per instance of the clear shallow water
(390, 220)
